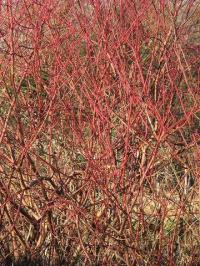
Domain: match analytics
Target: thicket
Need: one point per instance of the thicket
(99, 132)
